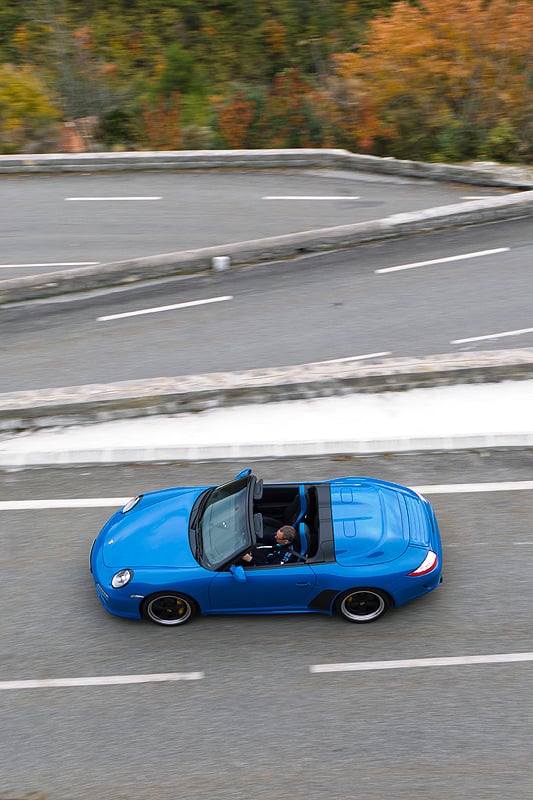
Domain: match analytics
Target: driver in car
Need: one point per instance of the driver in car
(280, 552)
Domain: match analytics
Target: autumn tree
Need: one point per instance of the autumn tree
(11, 16)
(27, 110)
(444, 81)
(415, 78)
(294, 114)
(66, 56)
(236, 117)
(158, 126)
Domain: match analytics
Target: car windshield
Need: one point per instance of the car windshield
(224, 527)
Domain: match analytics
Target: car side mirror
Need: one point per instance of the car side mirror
(238, 573)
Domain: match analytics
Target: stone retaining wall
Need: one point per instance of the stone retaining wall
(480, 173)
(191, 393)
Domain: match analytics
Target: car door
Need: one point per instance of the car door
(287, 587)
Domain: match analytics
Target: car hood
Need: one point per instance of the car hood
(155, 533)
(367, 524)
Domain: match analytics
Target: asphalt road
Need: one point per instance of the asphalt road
(259, 724)
(61, 221)
(471, 291)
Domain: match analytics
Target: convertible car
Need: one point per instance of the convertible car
(362, 545)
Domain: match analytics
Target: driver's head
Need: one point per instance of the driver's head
(285, 535)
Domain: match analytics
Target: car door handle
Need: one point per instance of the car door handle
(303, 583)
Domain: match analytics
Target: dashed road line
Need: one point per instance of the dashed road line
(310, 197)
(486, 336)
(410, 663)
(159, 309)
(353, 358)
(475, 488)
(102, 680)
(104, 199)
(52, 264)
(43, 505)
(444, 260)
(504, 543)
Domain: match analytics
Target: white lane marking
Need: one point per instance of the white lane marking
(103, 199)
(310, 197)
(157, 310)
(475, 488)
(502, 335)
(43, 505)
(462, 545)
(476, 197)
(353, 358)
(117, 502)
(463, 256)
(104, 680)
(52, 264)
(452, 661)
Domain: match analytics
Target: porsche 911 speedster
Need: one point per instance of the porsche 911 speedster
(362, 545)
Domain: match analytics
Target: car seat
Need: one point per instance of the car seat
(292, 515)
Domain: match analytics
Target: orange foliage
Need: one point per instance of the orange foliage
(290, 113)
(160, 126)
(235, 118)
(466, 62)
(284, 110)
(84, 39)
(276, 36)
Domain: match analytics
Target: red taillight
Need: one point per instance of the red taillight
(429, 563)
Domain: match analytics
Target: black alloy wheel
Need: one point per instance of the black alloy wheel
(168, 608)
(362, 605)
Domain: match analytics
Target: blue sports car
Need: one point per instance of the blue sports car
(360, 546)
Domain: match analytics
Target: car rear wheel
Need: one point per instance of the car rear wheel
(362, 605)
(168, 608)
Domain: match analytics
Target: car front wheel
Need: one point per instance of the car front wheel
(168, 608)
(362, 605)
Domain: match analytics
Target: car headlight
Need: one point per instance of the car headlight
(130, 504)
(121, 578)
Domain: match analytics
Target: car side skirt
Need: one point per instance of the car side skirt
(324, 600)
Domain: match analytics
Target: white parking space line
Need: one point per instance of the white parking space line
(104, 199)
(117, 502)
(444, 260)
(502, 335)
(52, 264)
(104, 680)
(159, 309)
(410, 663)
(310, 197)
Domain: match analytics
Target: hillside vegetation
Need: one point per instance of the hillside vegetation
(423, 80)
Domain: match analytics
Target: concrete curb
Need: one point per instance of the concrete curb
(74, 405)
(510, 206)
(245, 451)
(480, 173)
